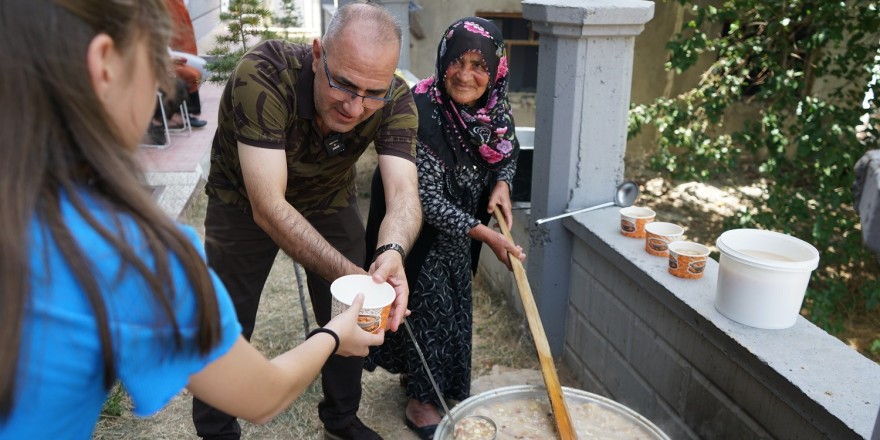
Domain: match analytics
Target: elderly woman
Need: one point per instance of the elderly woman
(97, 284)
(466, 160)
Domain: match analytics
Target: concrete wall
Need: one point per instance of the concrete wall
(205, 16)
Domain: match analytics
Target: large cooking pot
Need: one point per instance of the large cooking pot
(481, 404)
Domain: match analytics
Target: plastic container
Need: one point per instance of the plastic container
(763, 276)
(476, 405)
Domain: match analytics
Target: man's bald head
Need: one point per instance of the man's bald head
(370, 21)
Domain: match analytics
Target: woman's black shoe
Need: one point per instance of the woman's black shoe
(424, 432)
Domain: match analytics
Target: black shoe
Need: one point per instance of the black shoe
(355, 430)
(195, 122)
(424, 432)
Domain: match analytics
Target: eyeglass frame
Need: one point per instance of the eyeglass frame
(351, 94)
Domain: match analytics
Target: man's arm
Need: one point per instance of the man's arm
(403, 218)
(265, 177)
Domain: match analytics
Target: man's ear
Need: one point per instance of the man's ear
(316, 55)
(102, 64)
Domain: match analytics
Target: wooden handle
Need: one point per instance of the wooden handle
(548, 369)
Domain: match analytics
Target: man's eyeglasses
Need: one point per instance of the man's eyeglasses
(342, 94)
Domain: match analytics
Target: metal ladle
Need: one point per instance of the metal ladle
(627, 193)
(493, 429)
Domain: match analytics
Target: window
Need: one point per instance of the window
(522, 49)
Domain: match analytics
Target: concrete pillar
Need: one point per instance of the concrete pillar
(400, 10)
(584, 78)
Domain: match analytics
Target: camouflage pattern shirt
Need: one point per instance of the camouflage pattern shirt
(269, 103)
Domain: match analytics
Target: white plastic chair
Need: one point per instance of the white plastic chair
(187, 128)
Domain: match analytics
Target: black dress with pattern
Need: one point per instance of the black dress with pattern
(440, 297)
(462, 151)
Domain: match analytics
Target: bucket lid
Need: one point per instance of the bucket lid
(733, 243)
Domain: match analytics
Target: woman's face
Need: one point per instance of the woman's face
(131, 100)
(466, 79)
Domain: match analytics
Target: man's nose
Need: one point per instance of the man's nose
(354, 106)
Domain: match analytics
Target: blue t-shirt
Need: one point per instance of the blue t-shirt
(59, 388)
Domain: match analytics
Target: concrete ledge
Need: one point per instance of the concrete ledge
(174, 189)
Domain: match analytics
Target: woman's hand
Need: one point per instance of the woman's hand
(499, 244)
(500, 199)
(353, 340)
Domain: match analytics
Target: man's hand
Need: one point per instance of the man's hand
(403, 218)
(388, 267)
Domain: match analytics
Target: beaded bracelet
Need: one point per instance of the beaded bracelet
(329, 332)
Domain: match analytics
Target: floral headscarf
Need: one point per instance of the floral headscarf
(485, 133)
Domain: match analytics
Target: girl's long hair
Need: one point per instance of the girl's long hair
(57, 139)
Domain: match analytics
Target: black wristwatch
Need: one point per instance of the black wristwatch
(388, 247)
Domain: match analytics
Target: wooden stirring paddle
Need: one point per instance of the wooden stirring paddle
(551, 380)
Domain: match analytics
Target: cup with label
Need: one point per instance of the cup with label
(658, 235)
(687, 259)
(633, 220)
(377, 300)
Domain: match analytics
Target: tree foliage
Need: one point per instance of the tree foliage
(247, 23)
(783, 101)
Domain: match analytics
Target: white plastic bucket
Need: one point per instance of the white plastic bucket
(763, 276)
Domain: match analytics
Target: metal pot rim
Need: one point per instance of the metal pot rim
(465, 407)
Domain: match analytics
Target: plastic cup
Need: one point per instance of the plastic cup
(658, 235)
(633, 220)
(687, 259)
(377, 300)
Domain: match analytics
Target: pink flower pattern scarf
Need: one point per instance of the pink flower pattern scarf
(483, 135)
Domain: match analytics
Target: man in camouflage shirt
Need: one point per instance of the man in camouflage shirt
(293, 121)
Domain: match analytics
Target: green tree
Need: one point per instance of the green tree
(782, 101)
(247, 23)
(287, 19)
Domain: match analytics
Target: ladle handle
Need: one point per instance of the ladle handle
(570, 213)
(551, 380)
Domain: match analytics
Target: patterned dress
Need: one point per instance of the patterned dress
(441, 300)
(463, 150)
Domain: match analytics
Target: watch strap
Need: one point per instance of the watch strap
(388, 247)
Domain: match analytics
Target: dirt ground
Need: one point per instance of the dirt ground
(280, 327)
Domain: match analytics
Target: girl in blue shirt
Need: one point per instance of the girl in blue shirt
(96, 283)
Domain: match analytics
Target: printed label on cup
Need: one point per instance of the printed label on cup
(687, 259)
(377, 300)
(369, 323)
(658, 235)
(633, 220)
